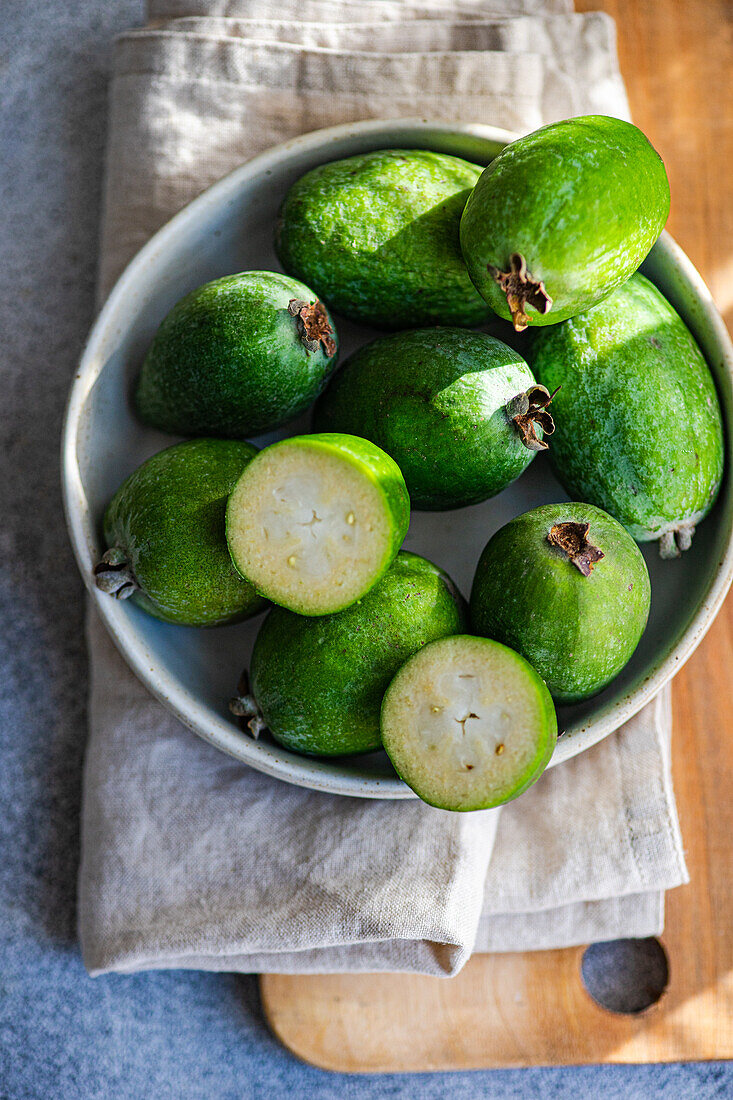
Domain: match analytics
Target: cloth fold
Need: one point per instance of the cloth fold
(190, 859)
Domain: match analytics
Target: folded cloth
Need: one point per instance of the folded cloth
(190, 859)
(340, 11)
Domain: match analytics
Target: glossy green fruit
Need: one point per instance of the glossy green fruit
(317, 684)
(237, 357)
(566, 586)
(639, 429)
(376, 235)
(316, 520)
(563, 216)
(468, 724)
(165, 531)
(441, 402)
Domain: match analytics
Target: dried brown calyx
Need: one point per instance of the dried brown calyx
(529, 409)
(244, 707)
(114, 576)
(521, 289)
(314, 326)
(572, 539)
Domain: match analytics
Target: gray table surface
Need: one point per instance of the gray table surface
(174, 1034)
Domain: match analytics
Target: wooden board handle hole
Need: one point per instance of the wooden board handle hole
(625, 976)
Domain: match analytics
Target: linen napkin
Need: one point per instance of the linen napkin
(190, 859)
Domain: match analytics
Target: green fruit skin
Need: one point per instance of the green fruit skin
(577, 632)
(379, 468)
(319, 682)
(638, 426)
(377, 236)
(168, 518)
(434, 399)
(545, 748)
(583, 201)
(229, 360)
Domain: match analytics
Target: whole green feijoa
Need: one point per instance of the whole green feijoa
(639, 428)
(376, 235)
(315, 520)
(165, 531)
(563, 216)
(236, 357)
(317, 683)
(468, 724)
(566, 586)
(458, 411)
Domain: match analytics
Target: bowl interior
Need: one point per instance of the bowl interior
(194, 672)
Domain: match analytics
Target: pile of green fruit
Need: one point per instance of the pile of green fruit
(368, 646)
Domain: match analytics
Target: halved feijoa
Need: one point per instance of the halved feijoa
(459, 411)
(376, 235)
(316, 520)
(563, 216)
(165, 531)
(639, 427)
(567, 587)
(317, 683)
(236, 357)
(468, 723)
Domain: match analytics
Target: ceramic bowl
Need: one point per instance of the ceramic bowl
(194, 672)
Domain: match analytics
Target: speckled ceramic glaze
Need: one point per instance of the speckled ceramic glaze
(194, 672)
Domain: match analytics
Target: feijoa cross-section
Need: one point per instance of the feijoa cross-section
(316, 520)
(468, 724)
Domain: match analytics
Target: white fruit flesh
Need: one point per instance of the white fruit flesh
(308, 528)
(467, 723)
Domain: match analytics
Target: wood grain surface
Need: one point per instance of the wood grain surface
(530, 1009)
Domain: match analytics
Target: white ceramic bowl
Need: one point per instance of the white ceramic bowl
(193, 672)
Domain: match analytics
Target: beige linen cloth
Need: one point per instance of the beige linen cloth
(190, 859)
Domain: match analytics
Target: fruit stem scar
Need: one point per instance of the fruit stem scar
(114, 576)
(244, 705)
(521, 288)
(314, 326)
(572, 539)
(526, 410)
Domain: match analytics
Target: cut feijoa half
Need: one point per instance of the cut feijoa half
(164, 529)
(317, 683)
(316, 520)
(468, 723)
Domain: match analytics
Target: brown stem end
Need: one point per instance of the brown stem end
(521, 289)
(572, 539)
(314, 326)
(527, 410)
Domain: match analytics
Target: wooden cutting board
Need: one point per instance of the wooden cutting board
(532, 1008)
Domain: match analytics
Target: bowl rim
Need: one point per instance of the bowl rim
(323, 774)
